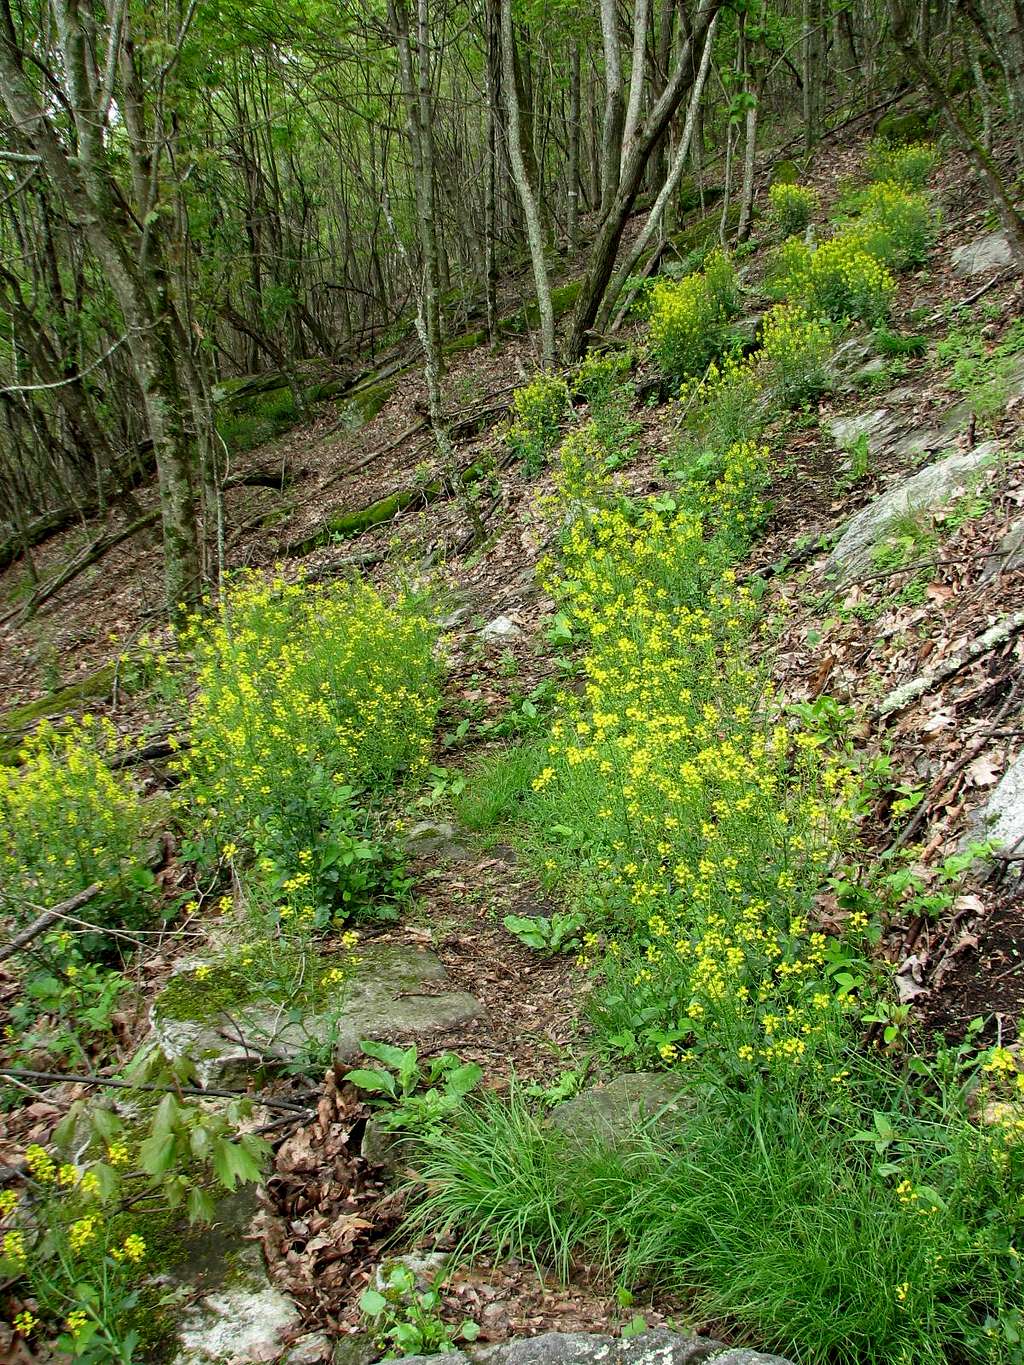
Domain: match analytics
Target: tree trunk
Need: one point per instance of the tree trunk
(534, 229)
(605, 249)
(985, 167)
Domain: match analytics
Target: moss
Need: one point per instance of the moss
(227, 985)
(911, 127)
(362, 405)
(346, 525)
(16, 722)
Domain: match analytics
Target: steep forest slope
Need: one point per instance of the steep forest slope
(567, 879)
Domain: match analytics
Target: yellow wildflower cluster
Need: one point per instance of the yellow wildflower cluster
(906, 163)
(791, 207)
(706, 821)
(896, 225)
(839, 279)
(66, 819)
(539, 408)
(299, 686)
(689, 317)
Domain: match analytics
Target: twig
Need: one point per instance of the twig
(56, 1077)
(48, 917)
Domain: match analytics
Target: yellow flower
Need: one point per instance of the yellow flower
(40, 1164)
(76, 1321)
(25, 1322)
(82, 1232)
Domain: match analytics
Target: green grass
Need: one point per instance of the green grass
(767, 1210)
(497, 786)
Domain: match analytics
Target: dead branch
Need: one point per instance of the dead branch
(109, 1082)
(908, 692)
(42, 922)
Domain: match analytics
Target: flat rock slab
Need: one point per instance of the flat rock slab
(991, 252)
(612, 1113)
(585, 1348)
(245, 1322)
(396, 994)
(927, 491)
(1001, 819)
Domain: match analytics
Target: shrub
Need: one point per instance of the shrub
(896, 226)
(792, 364)
(688, 322)
(306, 696)
(904, 163)
(791, 207)
(68, 820)
(786, 268)
(844, 282)
(539, 409)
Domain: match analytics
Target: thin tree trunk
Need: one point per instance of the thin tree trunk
(534, 229)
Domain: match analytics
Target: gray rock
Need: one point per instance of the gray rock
(657, 1347)
(1001, 819)
(878, 424)
(502, 630)
(242, 1323)
(384, 999)
(358, 1348)
(991, 252)
(313, 1349)
(853, 362)
(932, 488)
(1008, 555)
(434, 838)
(612, 1113)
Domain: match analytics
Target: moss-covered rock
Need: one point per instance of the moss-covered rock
(912, 126)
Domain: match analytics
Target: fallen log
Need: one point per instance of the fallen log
(92, 554)
(901, 697)
(346, 525)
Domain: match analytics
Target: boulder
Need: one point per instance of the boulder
(611, 1113)
(502, 630)
(991, 252)
(877, 424)
(434, 839)
(658, 1347)
(1001, 819)
(853, 363)
(933, 487)
(395, 994)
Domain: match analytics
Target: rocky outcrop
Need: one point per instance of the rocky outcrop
(395, 994)
(934, 487)
(584, 1348)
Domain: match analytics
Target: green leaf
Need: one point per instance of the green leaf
(157, 1153)
(377, 1082)
(233, 1164)
(371, 1303)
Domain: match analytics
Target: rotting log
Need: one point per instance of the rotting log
(345, 525)
(92, 554)
(19, 720)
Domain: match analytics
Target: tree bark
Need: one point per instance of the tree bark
(534, 229)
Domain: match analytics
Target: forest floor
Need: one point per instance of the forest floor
(855, 643)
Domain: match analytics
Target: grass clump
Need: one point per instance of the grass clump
(306, 697)
(689, 317)
(539, 410)
(902, 163)
(791, 207)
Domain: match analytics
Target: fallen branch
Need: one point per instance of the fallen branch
(92, 554)
(42, 922)
(345, 525)
(57, 1078)
(902, 696)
